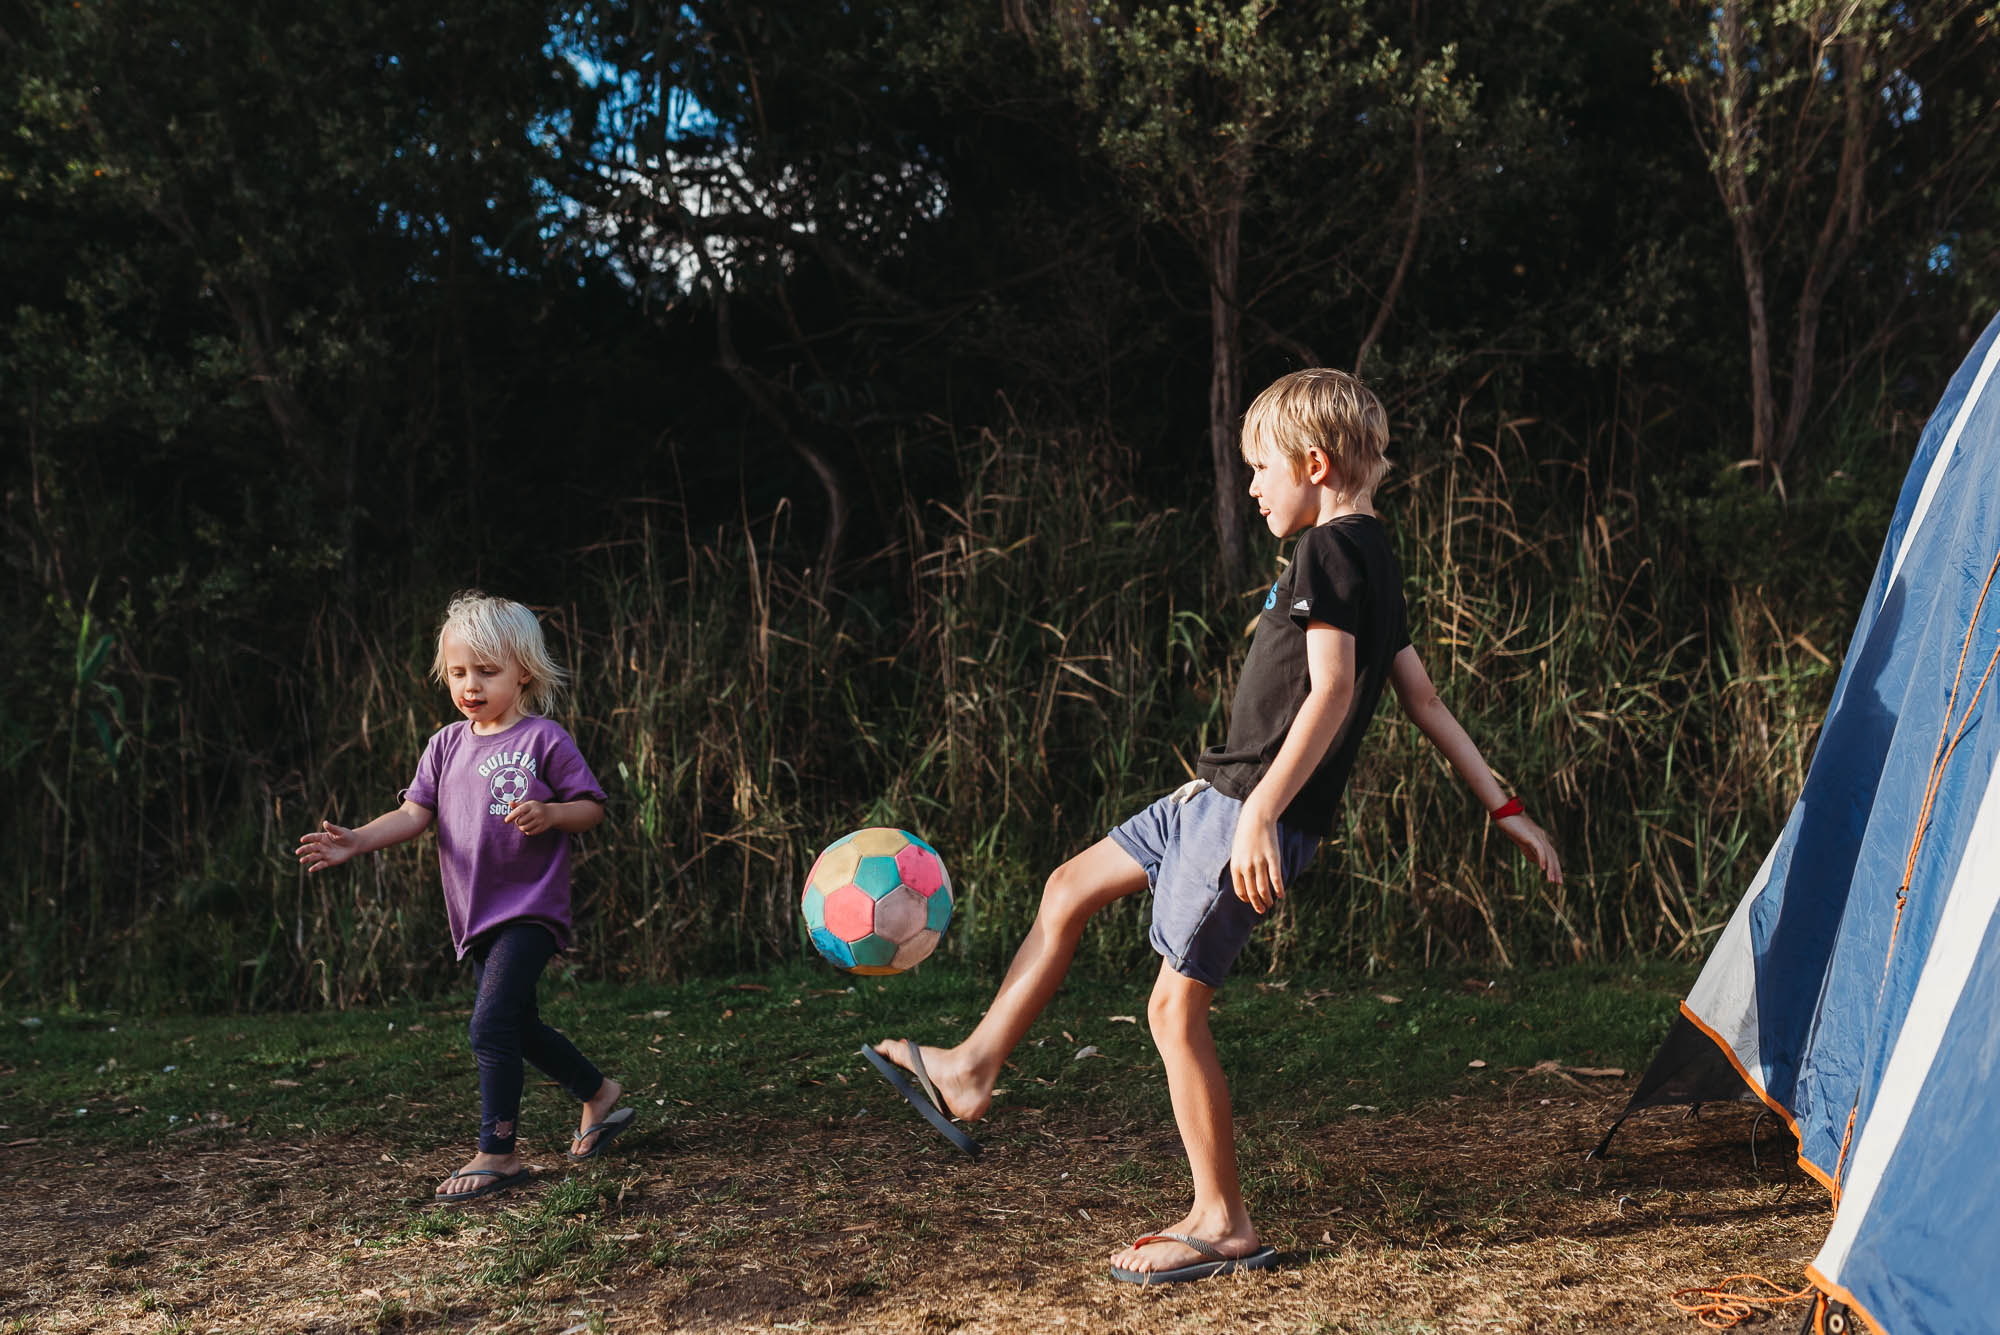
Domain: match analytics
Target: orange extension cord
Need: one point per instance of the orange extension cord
(1719, 1309)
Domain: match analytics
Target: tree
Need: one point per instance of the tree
(1210, 110)
(1823, 121)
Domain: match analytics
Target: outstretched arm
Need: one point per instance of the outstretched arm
(1420, 701)
(331, 844)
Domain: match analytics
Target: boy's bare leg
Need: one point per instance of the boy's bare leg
(1178, 1013)
(965, 1075)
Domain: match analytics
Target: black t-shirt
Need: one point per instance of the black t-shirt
(1342, 573)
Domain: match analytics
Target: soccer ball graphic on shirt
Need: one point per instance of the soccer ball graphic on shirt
(510, 785)
(876, 901)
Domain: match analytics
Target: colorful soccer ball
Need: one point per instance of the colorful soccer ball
(876, 901)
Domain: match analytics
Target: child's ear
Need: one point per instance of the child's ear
(1319, 466)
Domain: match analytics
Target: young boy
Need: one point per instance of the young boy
(1218, 852)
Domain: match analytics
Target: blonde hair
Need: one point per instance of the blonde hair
(1328, 409)
(501, 632)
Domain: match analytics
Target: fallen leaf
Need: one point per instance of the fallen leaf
(1090, 1050)
(1387, 999)
(749, 987)
(1124, 1019)
(284, 1084)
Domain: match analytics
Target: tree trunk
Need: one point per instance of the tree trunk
(1832, 249)
(1736, 143)
(1409, 251)
(1225, 345)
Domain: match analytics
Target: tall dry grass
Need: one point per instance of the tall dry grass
(1018, 667)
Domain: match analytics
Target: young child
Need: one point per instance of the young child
(507, 788)
(1219, 851)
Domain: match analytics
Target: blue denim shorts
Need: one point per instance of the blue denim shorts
(1183, 840)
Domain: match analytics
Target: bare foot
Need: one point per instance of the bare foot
(504, 1164)
(1231, 1241)
(595, 1110)
(967, 1088)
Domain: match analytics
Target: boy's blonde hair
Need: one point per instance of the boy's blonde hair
(1325, 408)
(501, 631)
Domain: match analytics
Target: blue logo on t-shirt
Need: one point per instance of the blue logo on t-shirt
(1271, 598)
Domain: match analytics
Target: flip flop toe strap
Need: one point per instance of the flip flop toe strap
(1189, 1241)
(611, 1124)
(923, 1076)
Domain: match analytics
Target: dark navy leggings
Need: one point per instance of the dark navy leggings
(506, 1026)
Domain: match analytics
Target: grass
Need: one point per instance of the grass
(1404, 1141)
(782, 1043)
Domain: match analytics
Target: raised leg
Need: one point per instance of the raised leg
(965, 1074)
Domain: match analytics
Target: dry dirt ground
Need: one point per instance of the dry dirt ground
(1468, 1215)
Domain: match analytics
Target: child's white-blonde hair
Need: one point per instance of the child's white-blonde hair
(500, 631)
(1328, 409)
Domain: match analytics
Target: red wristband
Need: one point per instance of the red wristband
(1511, 807)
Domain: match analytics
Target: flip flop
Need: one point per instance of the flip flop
(500, 1182)
(928, 1101)
(1218, 1264)
(604, 1131)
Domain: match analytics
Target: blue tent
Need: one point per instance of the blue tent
(1856, 990)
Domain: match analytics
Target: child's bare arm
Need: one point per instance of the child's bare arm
(331, 844)
(570, 817)
(1420, 701)
(1255, 867)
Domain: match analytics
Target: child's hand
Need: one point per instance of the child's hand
(530, 817)
(328, 846)
(1254, 866)
(1535, 843)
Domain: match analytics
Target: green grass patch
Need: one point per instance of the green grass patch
(782, 1045)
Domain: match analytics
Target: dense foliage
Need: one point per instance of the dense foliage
(854, 388)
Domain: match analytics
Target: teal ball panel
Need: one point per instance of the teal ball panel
(879, 951)
(878, 876)
(837, 951)
(940, 910)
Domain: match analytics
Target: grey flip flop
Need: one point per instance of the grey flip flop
(500, 1182)
(604, 1131)
(1217, 1264)
(929, 1102)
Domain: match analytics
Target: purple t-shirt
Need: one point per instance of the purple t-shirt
(492, 872)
